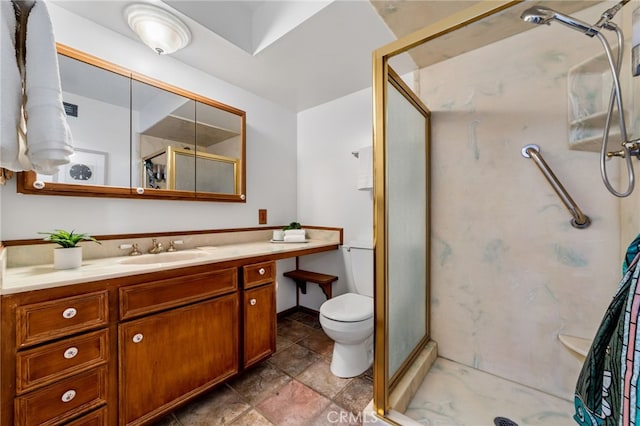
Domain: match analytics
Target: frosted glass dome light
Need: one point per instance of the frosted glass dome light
(157, 28)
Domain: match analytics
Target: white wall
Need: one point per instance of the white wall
(271, 140)
(327, 180)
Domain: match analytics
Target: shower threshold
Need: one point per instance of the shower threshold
(454, 394)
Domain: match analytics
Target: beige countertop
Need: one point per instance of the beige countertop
(37, 277)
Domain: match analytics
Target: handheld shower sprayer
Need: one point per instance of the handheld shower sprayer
(544, 15)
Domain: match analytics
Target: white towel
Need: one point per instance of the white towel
(365, 167)
(295, 232)
(294, 238)
(48, 135)
(10, 90)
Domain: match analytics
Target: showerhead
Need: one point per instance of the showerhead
(544, 15)
(537, 15)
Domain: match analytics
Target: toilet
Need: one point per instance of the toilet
(348, 318)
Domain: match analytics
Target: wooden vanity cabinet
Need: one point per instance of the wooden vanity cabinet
(131, 349)
(259, 312)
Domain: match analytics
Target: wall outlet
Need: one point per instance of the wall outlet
(262, 216)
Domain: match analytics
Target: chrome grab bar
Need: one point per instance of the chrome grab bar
(579, 219)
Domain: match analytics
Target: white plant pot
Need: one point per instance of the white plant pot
(67, 258)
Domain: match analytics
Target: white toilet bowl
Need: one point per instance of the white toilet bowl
(348, 320)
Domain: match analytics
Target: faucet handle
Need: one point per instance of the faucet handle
(173, 244)
(134, 249)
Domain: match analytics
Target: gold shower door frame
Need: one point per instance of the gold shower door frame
(382, 75)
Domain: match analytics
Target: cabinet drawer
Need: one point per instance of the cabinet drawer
(259, 273)
(49, 320)
(64, 400)
(142, 299)
(38, 367)
(97, 418)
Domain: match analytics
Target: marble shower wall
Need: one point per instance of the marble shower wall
(509, 273)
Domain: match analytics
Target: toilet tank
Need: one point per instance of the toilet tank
(360, 255)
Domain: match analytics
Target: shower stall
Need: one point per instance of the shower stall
(505, 273)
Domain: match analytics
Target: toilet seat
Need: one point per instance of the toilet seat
(349, 307)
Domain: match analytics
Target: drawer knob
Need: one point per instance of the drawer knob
(68, 395)
(69, 313)
(71, 352)
(137, 338)
(261, 271)
(252, 302)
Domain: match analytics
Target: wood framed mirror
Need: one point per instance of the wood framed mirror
(127, 128)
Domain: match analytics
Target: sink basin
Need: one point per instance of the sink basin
(148, 259)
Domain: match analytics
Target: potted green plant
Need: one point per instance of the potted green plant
(292, 225)
(69, 254)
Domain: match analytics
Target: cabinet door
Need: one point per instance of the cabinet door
(167, 357)
(259, 323)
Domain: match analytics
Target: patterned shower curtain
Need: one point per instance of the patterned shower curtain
(606, 392)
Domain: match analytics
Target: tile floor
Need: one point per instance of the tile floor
(293, 387)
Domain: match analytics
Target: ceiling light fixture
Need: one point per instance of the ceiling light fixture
(157, 28)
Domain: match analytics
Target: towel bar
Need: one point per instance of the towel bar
(579, 220)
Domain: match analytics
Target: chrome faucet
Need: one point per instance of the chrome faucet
(157, 247)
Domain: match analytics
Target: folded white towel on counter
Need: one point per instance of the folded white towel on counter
(294, 238)
(294, 232)
(48, 135)
(10, 90)
(365, 168)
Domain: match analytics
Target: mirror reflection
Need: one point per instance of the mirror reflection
(218, 142)
(97, 105)
(182, 144)
(160, 120)
(215, 173)
(137, 137)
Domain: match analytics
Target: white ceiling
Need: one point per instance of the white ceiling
(298, 54)
(303, 53)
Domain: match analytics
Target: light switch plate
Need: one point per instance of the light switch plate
(262, 216)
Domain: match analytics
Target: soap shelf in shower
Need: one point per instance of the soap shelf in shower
(585, 134)
(579, 345)
(594, 120)
(589, 86)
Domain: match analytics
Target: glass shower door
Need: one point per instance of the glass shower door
(407, 223)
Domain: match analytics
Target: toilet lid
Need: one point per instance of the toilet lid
(349, 307)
